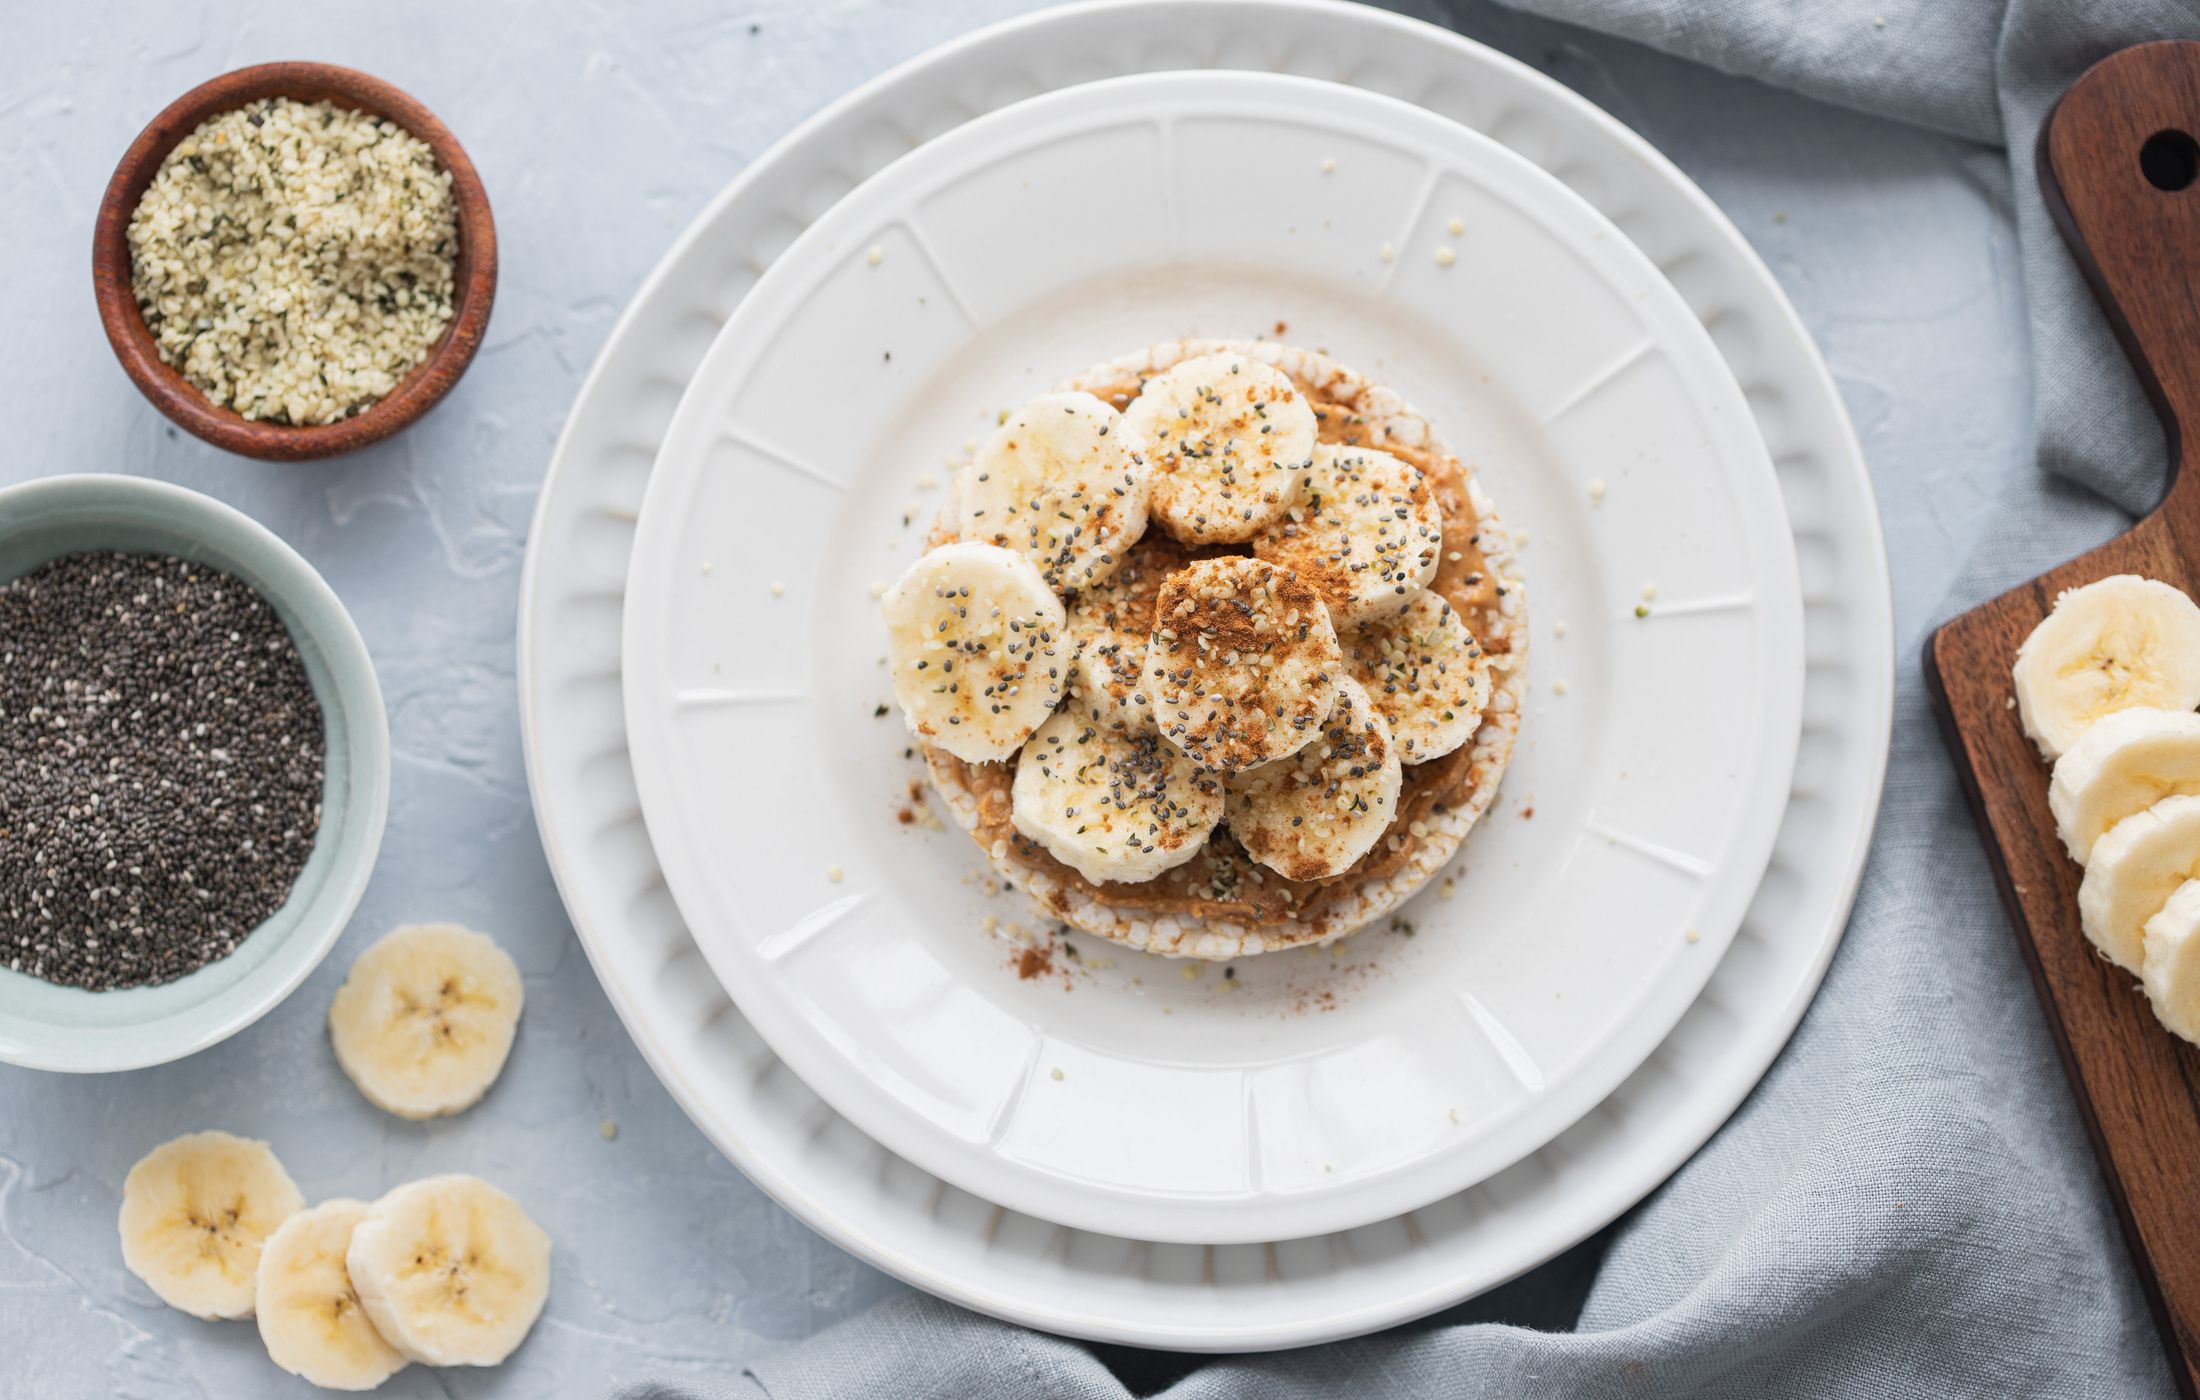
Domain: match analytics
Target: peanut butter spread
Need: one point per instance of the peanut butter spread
(1222, 881)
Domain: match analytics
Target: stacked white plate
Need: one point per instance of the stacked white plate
(1121, 1151)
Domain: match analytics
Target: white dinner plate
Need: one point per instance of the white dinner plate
(884, 1209)
(1305, 1093)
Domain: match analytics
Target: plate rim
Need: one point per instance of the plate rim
(1377, 36)
(1743, 476)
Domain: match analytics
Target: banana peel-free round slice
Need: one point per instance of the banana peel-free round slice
(310, 1316)
(451, 1271)
(196, 1211)
(2119, 644)
(424, 1022)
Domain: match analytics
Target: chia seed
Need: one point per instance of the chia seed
(161, 759)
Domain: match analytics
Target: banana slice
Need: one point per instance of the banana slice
(1112, 805)
(1425, 673)
(1064, 482)
(1314, 814)
(2119, 644)
(1243, 665)
(978, 650)
(425, 1019)
(1368, 533)
(1108, 624)
(195, 1213)
(1229, 438)
(310, 1316)
(450, 1270)
(2133, 871)
(2171, 974)
(2125, 763)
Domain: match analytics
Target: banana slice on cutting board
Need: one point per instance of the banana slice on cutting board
(2119, 644)
(1314, 814)
(1367, 534)
(424, 1022)
(2171, 974)
(196, 1212)
(1243, 664)
(1063, 482)
(310, 1316)
(1229, 438)
(1424, 672)
(976, 643)
(2125, 763)
(1112, 803)
(450, 1270)
(2133, 871)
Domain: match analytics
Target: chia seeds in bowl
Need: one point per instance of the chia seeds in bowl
(161, 768)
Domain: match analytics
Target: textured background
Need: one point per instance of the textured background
(600, 131)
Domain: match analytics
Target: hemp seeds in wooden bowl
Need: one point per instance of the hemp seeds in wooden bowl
(295, 260)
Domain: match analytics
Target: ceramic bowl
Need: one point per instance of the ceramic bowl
(419, 391)
(45, 1026)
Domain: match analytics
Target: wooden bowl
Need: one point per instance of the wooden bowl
(474, 288)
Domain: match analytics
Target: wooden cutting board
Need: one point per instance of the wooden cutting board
(2118, 163)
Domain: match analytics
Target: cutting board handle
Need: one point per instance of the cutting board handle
(2120, 166)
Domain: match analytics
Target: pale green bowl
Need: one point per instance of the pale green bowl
(66, 1028)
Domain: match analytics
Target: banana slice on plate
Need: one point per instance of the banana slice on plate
(451, 1271)
(2171, 974)
(1314, 814)
(1229, 438)
(196, 1212)
(1110, 803)
(1367, 534)
(2133, 871)
(2124, 764)
(424, 1022)
(310, 1316)
(976, 643)
(2119, 644)
(1424, 672)
(1243, 664)
(1063, 482)
(1108, 623)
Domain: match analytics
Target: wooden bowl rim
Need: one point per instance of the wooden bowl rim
(422, 387)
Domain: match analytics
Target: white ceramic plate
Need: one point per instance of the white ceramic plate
(1303, 1095)
(882, 1208)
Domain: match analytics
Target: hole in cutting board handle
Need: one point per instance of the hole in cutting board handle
(2170, 160)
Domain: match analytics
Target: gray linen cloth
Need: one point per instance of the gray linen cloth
(1907, 1205)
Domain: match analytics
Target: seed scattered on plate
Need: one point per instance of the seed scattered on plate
(876, 256)
(1558, 687)
(835, 874)
(1329, 165)
(1389, 254)
(1457, 227)
(1055, 1074)
(1596, 490)
(1445, 257)
(779, 590)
